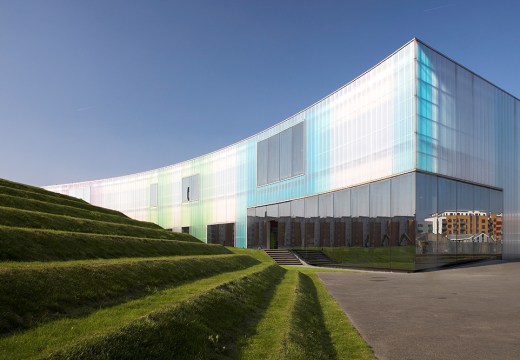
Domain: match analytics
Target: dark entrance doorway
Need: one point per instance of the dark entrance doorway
(273, 234)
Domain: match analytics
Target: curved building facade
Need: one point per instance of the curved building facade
(412, 164)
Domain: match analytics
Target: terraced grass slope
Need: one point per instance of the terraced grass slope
(82, 282)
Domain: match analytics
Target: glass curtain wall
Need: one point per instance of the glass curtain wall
(410, 222)
(456, 221)
(368, 226)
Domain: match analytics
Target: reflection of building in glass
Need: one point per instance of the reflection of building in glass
(410, 165)
(476, 222)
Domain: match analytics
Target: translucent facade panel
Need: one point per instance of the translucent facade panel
(153, 195)
(262, 156)
(342, 203)
(273, 162)
(298, 149)
(414, 110)
(358, 134)
(372, 134)
(195, 188)
(462, 120)
(286, 154)
(80, 192)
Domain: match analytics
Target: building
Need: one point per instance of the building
(364, 173)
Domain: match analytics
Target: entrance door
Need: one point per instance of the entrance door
(273, 234)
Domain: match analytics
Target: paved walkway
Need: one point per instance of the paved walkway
(470, 312)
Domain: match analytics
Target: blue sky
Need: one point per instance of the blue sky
(95, 89)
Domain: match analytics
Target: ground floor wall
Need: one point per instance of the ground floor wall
(409, 222)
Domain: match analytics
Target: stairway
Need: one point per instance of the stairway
(283, 257)
(314, 257)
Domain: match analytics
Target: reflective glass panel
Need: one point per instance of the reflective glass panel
(298, 150)
(326, 206)
(286, 154)
(311, 207)
(342, 203)
(261, 162)
(273, 166)
(426, 217)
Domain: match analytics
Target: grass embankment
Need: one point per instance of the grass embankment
(38, 220)
(54, 198)
(150, 306)
(31, 294)
(24, 187)
(303, 321)
(18, 244)
(345, 338)
(208, 316)
(57, 209)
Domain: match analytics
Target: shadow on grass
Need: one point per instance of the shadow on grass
(309, 337)
(206, 327)
(30, 297)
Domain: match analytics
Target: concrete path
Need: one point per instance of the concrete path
(470, 312)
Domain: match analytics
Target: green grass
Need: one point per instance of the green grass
(32, 294)
(270, 339)
(308, 335)
(37, 220)
(303, 321)
(57, 209)
(208, 316)
(83, 282)
(19, 244)
(345, 338)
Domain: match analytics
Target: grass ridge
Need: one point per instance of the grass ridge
(37, 220)
(22, 244)
(208, 326)
(29, 295)
(35, 189)
(14, 202)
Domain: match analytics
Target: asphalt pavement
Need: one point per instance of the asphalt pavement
(470, 312)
